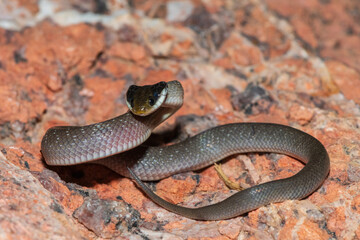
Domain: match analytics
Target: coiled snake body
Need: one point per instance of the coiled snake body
(150, 105)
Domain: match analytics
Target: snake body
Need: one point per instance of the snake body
(101, 143)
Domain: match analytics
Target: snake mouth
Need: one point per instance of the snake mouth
(144, 100)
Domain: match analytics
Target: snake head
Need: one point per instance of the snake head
(144, 100)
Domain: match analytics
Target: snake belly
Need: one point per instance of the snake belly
(100, 143)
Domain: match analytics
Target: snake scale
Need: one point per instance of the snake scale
(116, 143)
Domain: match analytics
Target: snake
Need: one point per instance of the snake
(118, 144)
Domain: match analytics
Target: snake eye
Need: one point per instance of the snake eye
(151, 101)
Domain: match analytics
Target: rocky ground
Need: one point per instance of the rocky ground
(71, 62)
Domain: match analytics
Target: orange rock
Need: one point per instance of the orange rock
(25, 156)
(181, 49)
(355, 204)
(26, 203)
(341, 75)
(313, 22)
(305, 32)
(287, 230)
(240, 53)
(223, 99)
(288, 167)
(300, 114)
(303, 76)
(231, 231)
(333, 192)
(275, 115)
(209, 180)
(53, 41)
(21, 109)
(302, 230)
(128, 191)
(225, 63)
(104, 93)
(128, 51)
(357, 233)
(120, 69)
(166, 37)
(202, 99)
(32, 6)
(175, 190)
(155, 76)
(336, 221)
(256, 26)
(69, 200)
(311, 230)
(214, 6)
(175, 225)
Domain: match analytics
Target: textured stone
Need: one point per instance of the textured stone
(28, 211)
(331, 27)
(290, 62)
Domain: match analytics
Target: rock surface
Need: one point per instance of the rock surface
(71, 62)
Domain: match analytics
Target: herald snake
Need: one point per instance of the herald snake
(116, 143)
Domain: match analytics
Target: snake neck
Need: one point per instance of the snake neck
(156, 118)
